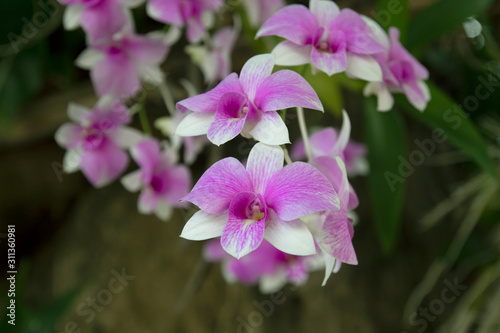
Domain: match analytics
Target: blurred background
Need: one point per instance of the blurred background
(428, 253)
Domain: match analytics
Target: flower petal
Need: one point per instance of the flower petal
(345, 133)
(291, 237)
(385, 100)
(194, 124)
(179, 183)
(103, 165)
(271, 130)
(415, 95)
(68, 135)
(72, 160)
(219, 184)
(295, 23)
(334, 170)
(263, 162)
(71, 17)
(286, 89)
(89, 58)
(255, 70)
(203, 225)
(115, 75)
(147, 154)
(330, 63)
(300, 189)
(229, 119)
(336, 237)
(241, 235)
(149, 49)
(209, 101)
(364, 68)
(147, 201)
(166, 11)
(132, 182)
(163, 210)
(324, 11)
(290, 54)
(126, 137)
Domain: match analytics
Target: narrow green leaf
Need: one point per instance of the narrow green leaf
(393, 13)
(440, 18)
(442, 114)
(386, 139)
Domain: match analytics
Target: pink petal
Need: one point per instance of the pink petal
(195, 29)
(104, 164)
(286, 89)
(353, 199)
(147, 155)
(255, 70)
(334, 171)
(229, 119)
(116, 75)
(213, 251)
(148, 200)
(415, 95)
(263, 162)
(167, 11)
(104, 20)
(330, 63)
(148, 49)
(345, 133)
(324, 11)
(336, 237)
(209, 101)
(300, 189)
(397, 51)
(241, 235)
(219, 184)
(178, 184)
(322, 142)
(295, 23)
(271, 129)
(359, 36)
(291, 237)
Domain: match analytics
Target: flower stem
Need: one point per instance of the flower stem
(303, 132)
(143, 117)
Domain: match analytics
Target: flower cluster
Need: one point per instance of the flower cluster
(268, 222)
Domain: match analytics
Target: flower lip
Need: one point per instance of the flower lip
(256, 209)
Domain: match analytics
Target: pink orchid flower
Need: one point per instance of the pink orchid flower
(267, 266)
(101, 19)
(96, 139)
(248, 104)
(259, 11)
(332, 40)
(402, 73)
(263, 201)
(163, 182)
(332, 230)
(117, 68)
(327, 142)
(215, 59)
(194, 14)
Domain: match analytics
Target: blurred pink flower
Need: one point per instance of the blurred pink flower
(96, 139)
(402, 73)
(332, 230)
(332, 40)
(214, 59)
(263, 201)
(117, 68)
(267, 266)
(327, 142)
(162, 181)
(258, 11)
(194, 14)
(248, 104)
(100, 19)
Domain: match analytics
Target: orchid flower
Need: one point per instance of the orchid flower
(332, 40)
(327, 142)
(193, 145)
(96, 139)
(332, 230)
(248, 104)
(401, 72)
(263, 201)
(117, 67)
(259, 11)
(267, 266)
(196, 15)
(215, 59)
(101, 19)
(163, 182)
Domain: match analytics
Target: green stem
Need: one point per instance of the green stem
(143, 117)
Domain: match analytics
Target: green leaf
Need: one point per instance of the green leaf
(443, 114)
(393, 13)
(440, 18)
(385, 135)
